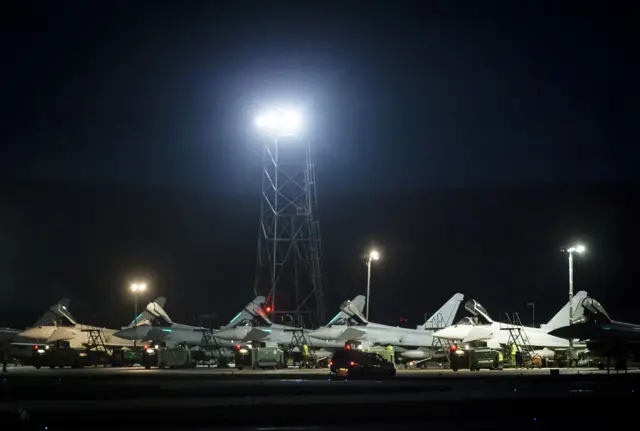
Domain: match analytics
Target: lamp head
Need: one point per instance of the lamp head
(577, 249)
(280, 122)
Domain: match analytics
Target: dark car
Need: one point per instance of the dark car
(356, 363)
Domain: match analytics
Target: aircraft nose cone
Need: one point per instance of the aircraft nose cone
(566, 332)
(33, 334)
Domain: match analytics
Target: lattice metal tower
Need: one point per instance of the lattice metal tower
(289, 246)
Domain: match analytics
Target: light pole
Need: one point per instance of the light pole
(137, 288)
(533, 313)
(373, 255)
(575, 249)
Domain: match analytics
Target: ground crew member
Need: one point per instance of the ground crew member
(391, 355)
(519, 360)
(514, 351)
(500, 359)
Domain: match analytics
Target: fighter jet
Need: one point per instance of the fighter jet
(11, 337)
(63, 327)
(604, 336)
(411, 343)
(160, 328)
(252, 324)
(481, 328)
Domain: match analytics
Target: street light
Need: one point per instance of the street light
(373, 255)
(578, 248)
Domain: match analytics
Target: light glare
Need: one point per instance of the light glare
(138, 287)
(577, 249)
(281, 122)
(374, 255)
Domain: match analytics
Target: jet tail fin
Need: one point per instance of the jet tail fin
(249, 312)
(58, 313)
(562, 317)
(445, 315)
(358, 302)
(146, 316)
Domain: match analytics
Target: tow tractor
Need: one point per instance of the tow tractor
(167, 357)
(258, 356)
(474, 358)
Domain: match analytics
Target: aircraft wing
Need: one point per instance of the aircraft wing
(256, 334)
(352, 334)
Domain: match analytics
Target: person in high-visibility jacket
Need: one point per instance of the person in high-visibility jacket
(500, 359)
(512, 358)
(391, 355)
(305, 351)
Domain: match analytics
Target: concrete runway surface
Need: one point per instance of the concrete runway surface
(286, 374)
(127, 389)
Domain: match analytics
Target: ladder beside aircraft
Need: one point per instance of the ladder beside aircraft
(209, 343)
(96, 341)
(436, 323)
(518, 338)
(308, 356)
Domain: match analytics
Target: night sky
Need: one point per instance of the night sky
(468, 140)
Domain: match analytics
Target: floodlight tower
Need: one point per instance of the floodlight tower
(289, 248)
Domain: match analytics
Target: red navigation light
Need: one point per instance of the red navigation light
(352, 363)
(454, 347)
(268, 309)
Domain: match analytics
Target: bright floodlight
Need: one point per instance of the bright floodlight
(280, 122)
(374, 255)
(138, 287)
(577, 249)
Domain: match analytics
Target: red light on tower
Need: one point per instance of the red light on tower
(268, 309)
